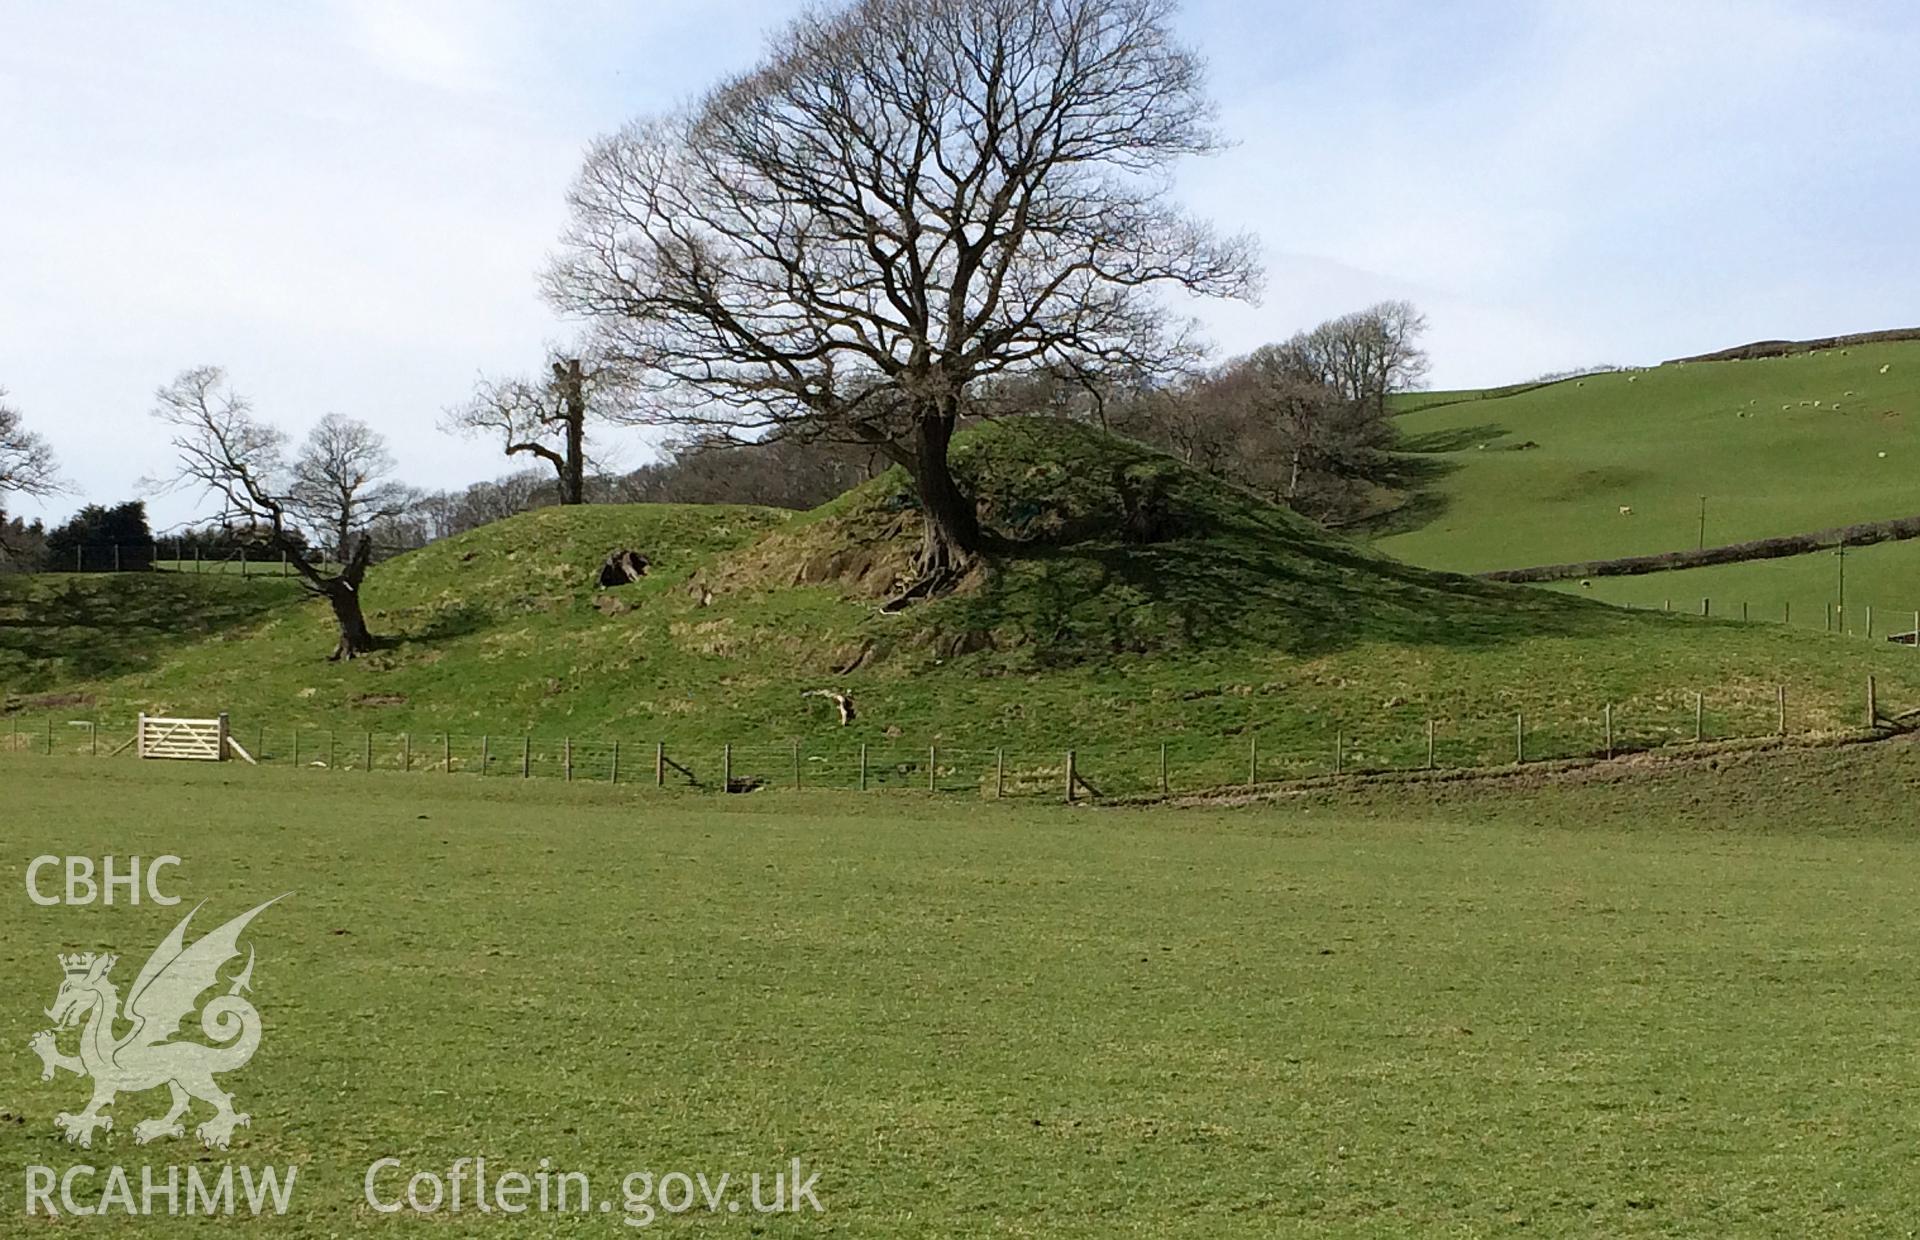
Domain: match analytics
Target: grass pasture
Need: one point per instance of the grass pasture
(1539, 476)
(1673, 1005)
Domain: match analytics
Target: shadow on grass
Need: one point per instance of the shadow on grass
(60, 628)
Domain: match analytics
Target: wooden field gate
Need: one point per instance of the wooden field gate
(193, 740)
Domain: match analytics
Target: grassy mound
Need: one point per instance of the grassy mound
(1136, 603)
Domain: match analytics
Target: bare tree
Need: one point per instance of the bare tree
(547, 418)
(905, 198)
(343, 481)
(1364, 356)
(239, 460)
(27, 466)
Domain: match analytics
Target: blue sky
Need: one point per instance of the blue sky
(345, 203)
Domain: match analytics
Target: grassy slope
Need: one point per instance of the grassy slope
(1662, 1007)
(1657, 440)
(1246, 621)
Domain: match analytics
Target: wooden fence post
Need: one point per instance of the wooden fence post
(406, 751)
(1743, 611)
(566, 756)
(1253, 759)
(659, 764)
(1429, 744)
(296, 746)
(999, 770)
(933, 768)
(1699, 717)
(1163, 768)
(486, 753)
(330, 740)
(367, 756)
(1706, 606)
(796, 764)
(613, 772)
(446, 752)
(1339, 751)
(863, 767)
(1873, 704)
(1519, 737)
(726, 767)
(1608, 713)
(1869, 621)
(93, 738)
(1780, 696)
(526, 756)
(1786, 612)
(1071, 777)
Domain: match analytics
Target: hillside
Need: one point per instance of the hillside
(1140, 604)
(1777, 445)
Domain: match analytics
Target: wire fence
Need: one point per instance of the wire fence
(1184, 763)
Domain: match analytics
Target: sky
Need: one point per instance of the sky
(345, 203)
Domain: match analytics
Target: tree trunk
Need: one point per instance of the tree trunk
(355, 639)
(950, 525)
(573, 399)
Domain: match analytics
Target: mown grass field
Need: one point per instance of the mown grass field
(1665, 1006)
(1539, 477)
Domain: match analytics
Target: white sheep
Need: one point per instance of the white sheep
(1886, 368)
(1626, 510)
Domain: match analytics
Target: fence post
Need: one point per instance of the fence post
(1916, 630)
(659, 764)
(1869, 621)
(526, 756)
(1519, 737)
(863, 767)
(1429, 744)
(1706, 606)
(1253, 759)
(1829, 617)
(78, 563)
(1873, 704)
(486, 752)
(613, 772)
(796, 764)
(1163, 768)
(1339, 751)
(1608, 713)
(1699, 717)
(566, 756)
(933, 768)
(726, 767)
(330, 748)
(367, 758)
(116, 557)
(1786, 612)
(406, 751)
(999, 770)
(1743, 611)
(1780, 694)
(243, 561)
(1071, 776)
(196, 558)
(446, 751)
(49, 734)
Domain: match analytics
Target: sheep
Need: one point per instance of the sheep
(1883, 456)
(1626, 510)
(1886, 368)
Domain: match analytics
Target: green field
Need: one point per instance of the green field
(1239, 635)
(1540, 477)
(1663, 1006)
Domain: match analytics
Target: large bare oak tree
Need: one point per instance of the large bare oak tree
(228, 453)
(906, 198)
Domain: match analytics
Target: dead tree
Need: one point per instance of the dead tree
(549, 418)
(27, 466)
(906, 198)
(234, 457)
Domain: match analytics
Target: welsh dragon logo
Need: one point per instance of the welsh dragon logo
(165, 993)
